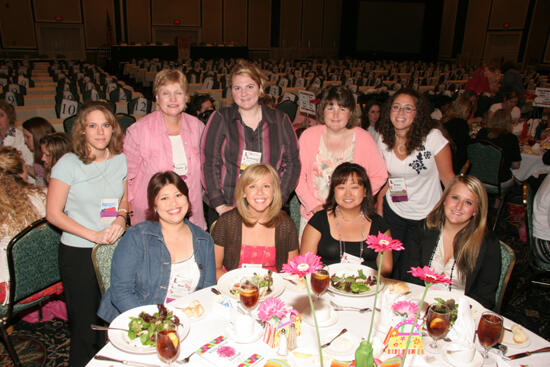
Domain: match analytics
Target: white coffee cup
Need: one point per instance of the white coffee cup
(323, 312)
(243, 326)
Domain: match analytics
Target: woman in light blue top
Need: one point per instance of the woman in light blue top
(163, 258)
(87, 199)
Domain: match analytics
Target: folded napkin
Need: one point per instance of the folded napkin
(464, 329)
(384, 319)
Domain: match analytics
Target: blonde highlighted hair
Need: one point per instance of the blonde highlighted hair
(17, 210)
(243, 67)
(80, 145)
(250, 175)
(469, 239)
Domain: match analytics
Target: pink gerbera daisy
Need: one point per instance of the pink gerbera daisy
(429, 276)
(304, 264)
(383, 243)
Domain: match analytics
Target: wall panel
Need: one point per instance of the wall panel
(291, 16)
(512, 12)
(235, 21)
(138, 18)
(96, 15)
(475, 30)
(16, 24)
(312, 23)
(259, 24)
(331, 30)
(48, 10)
(502, 45)
(212, 21)
(165, 12)
(539, 31)
(448, 23)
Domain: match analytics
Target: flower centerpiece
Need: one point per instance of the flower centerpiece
(276, 315)
(430, 278)
(301, 266)
(405, 309)
(379, 244)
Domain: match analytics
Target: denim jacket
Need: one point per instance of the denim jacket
(141, 266)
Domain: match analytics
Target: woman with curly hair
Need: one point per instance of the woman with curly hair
(418, 158)
(87, 199)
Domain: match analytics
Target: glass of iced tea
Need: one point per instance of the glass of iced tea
(489, 331)
(168, 345)
(249, 295)
(438, 322)
(319, 281)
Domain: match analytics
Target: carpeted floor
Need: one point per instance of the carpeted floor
(47, 344)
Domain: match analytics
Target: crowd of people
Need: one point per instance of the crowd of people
(177, 173)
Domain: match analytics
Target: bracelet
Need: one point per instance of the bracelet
(123, 210)
(123, 216)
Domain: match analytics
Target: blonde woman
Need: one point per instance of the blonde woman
(87, 200)
(256, 231)
(455, 241)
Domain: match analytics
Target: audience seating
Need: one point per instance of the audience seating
(102, 256)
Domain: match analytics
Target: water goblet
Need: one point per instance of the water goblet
(489, 331)
(438, 322)
(168, 345)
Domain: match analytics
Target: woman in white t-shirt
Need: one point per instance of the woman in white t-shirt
(417, 157)
(508, 104)
(541, 221)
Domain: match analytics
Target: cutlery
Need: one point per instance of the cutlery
(525, 354)
(105, 328)
(290, 281)
(128, 363)
(333, 339)
(349, 308)
(186, 359)
(215, 291)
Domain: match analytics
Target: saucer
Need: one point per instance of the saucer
(477, 361)
(508, 340)
(344, 346)
(325, 323)
(247, 339)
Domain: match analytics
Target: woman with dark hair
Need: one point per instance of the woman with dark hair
(53, 146)
(33, 130)
(162, 258)
(509, 104)
(87, 200)
(339, 231)
(257, 231)
(455, 241)
(418, 158)
(370, 117)
(455, 122)
(336, 140)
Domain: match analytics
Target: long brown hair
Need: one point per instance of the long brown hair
(469, 239)
(38, 127)
(57, 144)
(80, 146)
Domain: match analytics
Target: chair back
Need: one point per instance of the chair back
(102, 256)
(33, 261)
(288, 107)
(68, 124)
(486, 161)
(125, 121)
(508, 260)
(295, 211)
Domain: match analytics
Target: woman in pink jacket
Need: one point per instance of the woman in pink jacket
(167, 139)
(324, 147)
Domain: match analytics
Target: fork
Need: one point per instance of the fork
(186, 359)
(348, 308)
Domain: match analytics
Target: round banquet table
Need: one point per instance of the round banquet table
(531, 165)
(213, 324)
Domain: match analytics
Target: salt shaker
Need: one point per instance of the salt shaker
(283, 347)
(292, 341)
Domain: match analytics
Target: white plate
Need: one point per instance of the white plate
(352, 269)
(181, 303)
(448, 357)
(226, 281)
(326, 323)
(120, 338)
(344, 346)
(508, 340)
(251, 338)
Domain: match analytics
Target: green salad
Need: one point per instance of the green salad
(356, 284)
(145, 326)
(263, 282)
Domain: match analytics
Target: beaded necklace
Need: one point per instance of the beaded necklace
(343, 243)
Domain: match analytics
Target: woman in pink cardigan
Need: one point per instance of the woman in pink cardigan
(324, 147)
(167, 139)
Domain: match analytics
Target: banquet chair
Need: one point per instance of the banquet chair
(125, 121)
(33, 267)
(486, 163)
(102, 256)
(68, 124)
(289, 108)
(295, 211)
(508, 260)
(541, 267)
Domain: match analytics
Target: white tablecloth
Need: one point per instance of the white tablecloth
(531, 165)
(214, 325)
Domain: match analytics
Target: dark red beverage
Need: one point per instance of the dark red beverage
(319, 281)
(489, 330)
(249, 295)
(438, 327)
(167, 345)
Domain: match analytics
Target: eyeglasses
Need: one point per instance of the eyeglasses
(407, 109)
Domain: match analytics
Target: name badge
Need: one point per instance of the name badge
(249, 158)
(398, 189)
(109, 211)
(350, 259)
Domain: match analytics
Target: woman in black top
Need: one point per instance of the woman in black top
(338, 232)
(456, 125)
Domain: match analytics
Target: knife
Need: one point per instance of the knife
(128, 363)
(525, 354)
